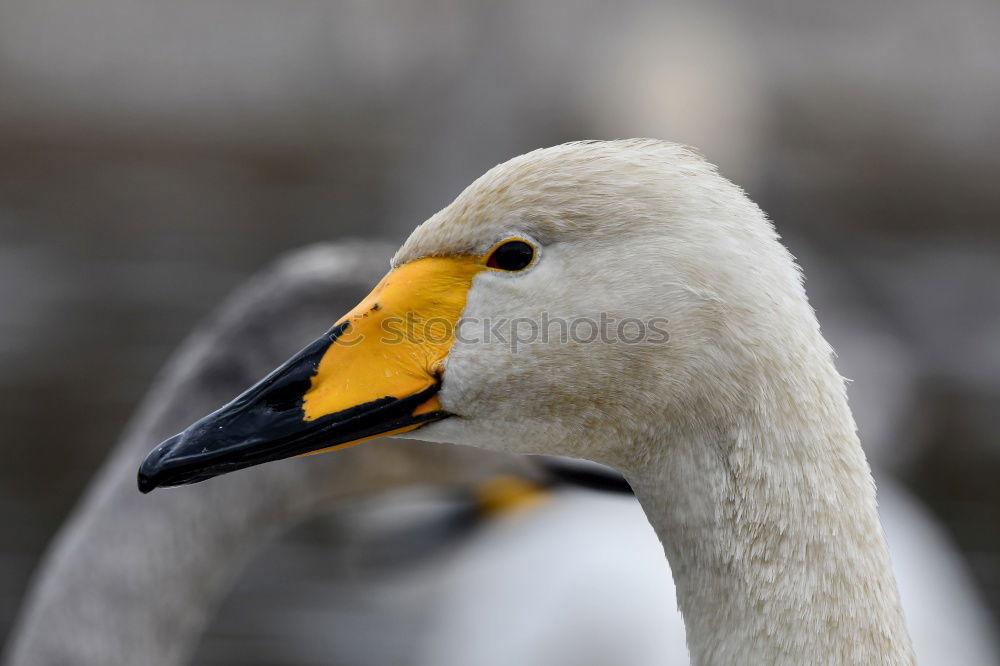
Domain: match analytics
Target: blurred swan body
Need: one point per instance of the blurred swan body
(580, 581)
(568, 581)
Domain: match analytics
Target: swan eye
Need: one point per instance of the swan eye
(512, 255)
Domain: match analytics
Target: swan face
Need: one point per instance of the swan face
(562, 303)
(668, 280)
(547, 357)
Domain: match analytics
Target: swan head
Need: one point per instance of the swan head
(565, 302)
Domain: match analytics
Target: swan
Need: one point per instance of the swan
(128, 582)
(734, 432)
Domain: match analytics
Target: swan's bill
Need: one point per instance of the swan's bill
(375, 373)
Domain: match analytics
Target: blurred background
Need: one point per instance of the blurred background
(154, 154)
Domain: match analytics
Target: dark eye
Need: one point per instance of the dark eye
(514, 255)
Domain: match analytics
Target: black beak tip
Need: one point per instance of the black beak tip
(146, 483)
(155, 469)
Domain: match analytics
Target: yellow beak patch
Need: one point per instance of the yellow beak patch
(396, 339)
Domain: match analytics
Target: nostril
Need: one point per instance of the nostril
(286, 396)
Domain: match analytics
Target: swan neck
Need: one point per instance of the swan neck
(768, 519)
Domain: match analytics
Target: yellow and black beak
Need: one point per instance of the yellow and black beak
(376, 372)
